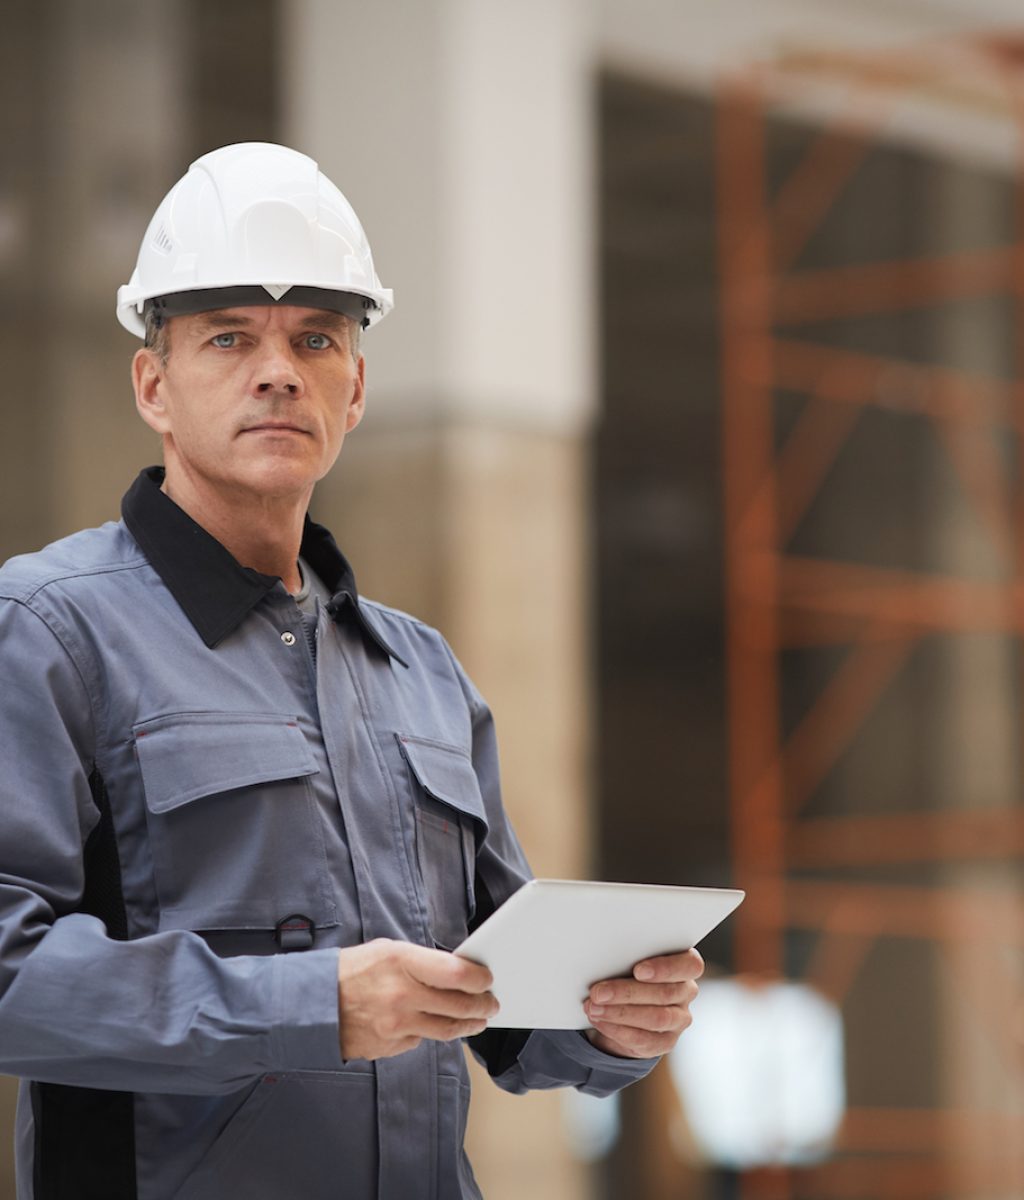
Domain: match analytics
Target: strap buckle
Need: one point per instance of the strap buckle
(295, 932)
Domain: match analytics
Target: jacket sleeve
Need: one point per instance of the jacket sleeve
(517, 1059)
(77, 1006)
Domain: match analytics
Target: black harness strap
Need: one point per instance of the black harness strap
(85, 1137)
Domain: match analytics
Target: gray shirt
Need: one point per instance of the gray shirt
(187, 794)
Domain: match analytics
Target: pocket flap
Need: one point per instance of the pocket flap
(446, 773)
(188, 755)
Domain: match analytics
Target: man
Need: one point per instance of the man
(246, 813)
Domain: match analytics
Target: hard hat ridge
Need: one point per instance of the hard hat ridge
(253, 223)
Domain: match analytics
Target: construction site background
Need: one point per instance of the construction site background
(697, 431)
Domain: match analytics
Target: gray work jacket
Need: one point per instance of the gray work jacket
(187, 794)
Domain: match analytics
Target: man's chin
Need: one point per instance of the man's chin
(278, 478)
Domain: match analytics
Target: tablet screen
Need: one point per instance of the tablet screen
(554, 938)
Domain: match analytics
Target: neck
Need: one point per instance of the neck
(261, 532)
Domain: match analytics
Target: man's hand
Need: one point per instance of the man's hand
(644, 1016)
(391, 995)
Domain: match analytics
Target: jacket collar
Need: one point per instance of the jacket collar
(214, 590)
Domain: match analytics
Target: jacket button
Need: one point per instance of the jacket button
(288, 638)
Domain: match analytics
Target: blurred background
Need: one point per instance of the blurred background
(697, 431)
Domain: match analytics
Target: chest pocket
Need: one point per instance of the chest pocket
(450, 819)
(234, 832)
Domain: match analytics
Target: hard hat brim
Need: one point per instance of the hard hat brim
(361, 307)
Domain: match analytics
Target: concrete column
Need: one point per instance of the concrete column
(460, 130)
(115, 71)
(975, 754)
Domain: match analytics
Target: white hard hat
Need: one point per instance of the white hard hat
(253, 223)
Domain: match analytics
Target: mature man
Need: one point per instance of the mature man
(245, 812)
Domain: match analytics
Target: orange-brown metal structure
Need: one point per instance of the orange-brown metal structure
(776, 599)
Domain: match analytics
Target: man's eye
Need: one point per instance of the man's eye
(317, 341)
(225, 340)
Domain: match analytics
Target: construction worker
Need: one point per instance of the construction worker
(247, 813)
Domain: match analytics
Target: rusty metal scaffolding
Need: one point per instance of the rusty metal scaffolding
(776, 599)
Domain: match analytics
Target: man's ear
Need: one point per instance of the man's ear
(357, 405)
(148, 371)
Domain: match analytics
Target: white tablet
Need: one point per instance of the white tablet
(554, 938)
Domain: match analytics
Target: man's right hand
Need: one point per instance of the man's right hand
(392, 995)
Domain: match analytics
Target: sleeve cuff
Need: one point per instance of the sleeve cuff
(582, 1050)
(305, 1006)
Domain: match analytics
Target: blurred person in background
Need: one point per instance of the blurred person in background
(247, 813)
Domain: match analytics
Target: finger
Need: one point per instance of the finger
(442, 969)
(629, 991)
(636, 1043)
(669, 968)
(461, 1005)
(446, 1029)
(654, 1018)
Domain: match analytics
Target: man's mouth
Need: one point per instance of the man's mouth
(274, 427)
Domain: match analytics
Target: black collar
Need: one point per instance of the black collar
(214, 590)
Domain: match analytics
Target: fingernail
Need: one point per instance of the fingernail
(596, 1010)
(602, 993)
(644, 971)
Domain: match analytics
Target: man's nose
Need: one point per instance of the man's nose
(276, 371)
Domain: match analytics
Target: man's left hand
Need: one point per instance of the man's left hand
(644, 1016)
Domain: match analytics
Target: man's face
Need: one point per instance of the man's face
(252, 400)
